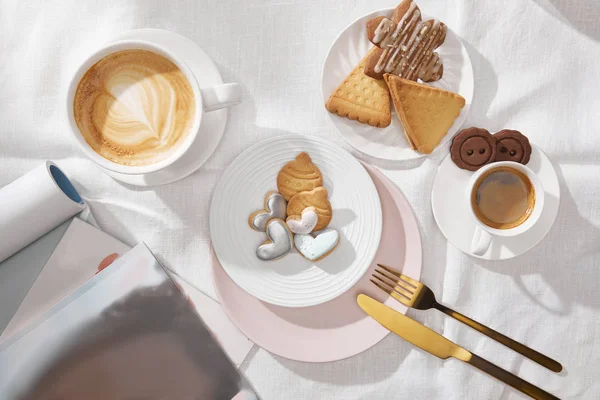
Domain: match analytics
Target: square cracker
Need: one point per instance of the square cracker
(362, 98)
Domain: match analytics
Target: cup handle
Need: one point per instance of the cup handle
(221, 96)
(481, 241)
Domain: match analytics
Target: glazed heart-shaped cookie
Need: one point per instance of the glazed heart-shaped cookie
(298, 175)
(304, 223)
(279, 241)
(316, 198)
(315, 248)
(275, 207)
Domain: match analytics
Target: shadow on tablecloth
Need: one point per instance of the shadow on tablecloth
(565, 258)
(583, 15)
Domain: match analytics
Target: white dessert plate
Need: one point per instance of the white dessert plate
(389, 143)
(293, 281)
(339, 328)
(451, 209)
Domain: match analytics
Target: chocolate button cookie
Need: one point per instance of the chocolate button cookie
(512, 146)
(472, 148)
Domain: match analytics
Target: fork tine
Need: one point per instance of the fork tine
(414, 283)
(402, 299)
(410, 280)
(390, 270)
(392, 283)
(380, 286)
(392, 288)
(397, 282)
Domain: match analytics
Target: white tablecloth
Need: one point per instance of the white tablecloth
(536, 70)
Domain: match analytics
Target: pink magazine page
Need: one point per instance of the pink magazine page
(76, 258)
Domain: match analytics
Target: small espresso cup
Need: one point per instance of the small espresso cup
(483, 235)
(206, 100)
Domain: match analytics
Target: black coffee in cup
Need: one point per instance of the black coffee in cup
(503, 198)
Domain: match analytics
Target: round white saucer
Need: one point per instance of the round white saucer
(390, 143)
(213, 123)
(451, 209)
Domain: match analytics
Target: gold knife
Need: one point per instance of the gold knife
(434, 343)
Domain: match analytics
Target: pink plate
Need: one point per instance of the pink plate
(339, 328)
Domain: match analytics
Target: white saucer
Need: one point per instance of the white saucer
(451, 209)
(389, 143)
(213, 123)
(293, 281)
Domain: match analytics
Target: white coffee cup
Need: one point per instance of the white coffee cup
(483, 235)
(206, 100)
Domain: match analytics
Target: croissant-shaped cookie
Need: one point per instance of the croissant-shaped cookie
(316, 198)
(299, 175)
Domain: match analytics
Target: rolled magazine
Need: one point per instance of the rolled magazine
(33, 205)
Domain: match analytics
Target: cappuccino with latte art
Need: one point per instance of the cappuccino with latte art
(134, 107)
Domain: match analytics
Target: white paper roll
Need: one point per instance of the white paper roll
(35, 204)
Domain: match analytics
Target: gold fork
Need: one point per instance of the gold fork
(413, 293)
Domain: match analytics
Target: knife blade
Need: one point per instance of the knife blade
(434, 343)
(412, 331)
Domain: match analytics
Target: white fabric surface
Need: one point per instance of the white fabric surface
(536, 70)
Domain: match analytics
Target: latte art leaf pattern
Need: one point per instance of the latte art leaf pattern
(134, 107)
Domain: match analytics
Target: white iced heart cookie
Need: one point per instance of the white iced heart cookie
(275, 207)
(279, 241)
(315, 248)
(304, 223)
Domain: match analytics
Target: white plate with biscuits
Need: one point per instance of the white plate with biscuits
(253, 248)
(343, 74)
